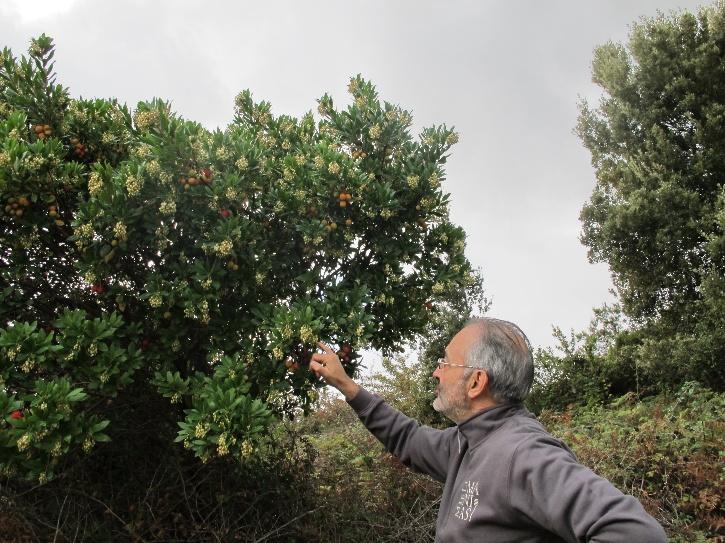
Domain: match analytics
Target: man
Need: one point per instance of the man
(506, 478)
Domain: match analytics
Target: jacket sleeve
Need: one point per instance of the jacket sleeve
(422, 448)
(548, 485)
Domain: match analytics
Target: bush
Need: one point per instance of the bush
(139, 247)
(665, 450)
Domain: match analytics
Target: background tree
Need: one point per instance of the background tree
(139, 250)
(657, 214)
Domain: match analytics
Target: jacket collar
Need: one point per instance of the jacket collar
(485, 422)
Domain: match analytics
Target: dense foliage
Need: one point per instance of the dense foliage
(665, 450)
(140, 247)
(657, 214)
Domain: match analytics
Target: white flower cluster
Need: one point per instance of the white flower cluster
(145, 119)
(200, 430)
(156, 300)
(412, 181)
(242, 163)
(375, 131)
(84, 234)
(222, 445)
(246, 449)
(268, 140)
(222, 153)
(95, 183)
(23, 442)
(307, 335)
(119, 230)
(28, 365)
(33, 163)
(224, 248)
(133, 185)
(153, 168)
(204, 312)
(167, 207)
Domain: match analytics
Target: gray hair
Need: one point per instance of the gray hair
(504, 352)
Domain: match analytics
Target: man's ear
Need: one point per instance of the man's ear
(478, 384)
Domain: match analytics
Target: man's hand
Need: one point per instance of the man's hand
(327, 365)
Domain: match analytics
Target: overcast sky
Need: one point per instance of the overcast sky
(507, 74)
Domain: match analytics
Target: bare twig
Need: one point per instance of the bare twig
(278, 528)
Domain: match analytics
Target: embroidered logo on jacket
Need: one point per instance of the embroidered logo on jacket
(468, 501)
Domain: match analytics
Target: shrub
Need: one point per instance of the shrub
(139, 247)
(665, 450)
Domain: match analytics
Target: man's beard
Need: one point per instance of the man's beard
(452, 403)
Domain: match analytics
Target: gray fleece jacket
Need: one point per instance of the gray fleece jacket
(508, 480)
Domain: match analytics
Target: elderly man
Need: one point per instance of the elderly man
(506, 478)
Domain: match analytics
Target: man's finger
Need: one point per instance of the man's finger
(325, 347)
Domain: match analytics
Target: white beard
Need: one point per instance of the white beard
(453, 404)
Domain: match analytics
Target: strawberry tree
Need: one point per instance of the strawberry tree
(136, 246)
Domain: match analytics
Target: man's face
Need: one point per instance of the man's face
(451, 393)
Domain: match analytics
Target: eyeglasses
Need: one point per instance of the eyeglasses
(442, 362)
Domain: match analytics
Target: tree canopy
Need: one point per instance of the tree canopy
(657, 214)
(139, 247)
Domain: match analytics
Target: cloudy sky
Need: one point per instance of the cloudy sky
(506, 73)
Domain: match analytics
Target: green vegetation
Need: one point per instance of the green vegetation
(138, 247)
(657, 214)
(158, 276)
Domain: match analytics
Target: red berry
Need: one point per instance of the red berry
(17, 414)
(225, 213)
